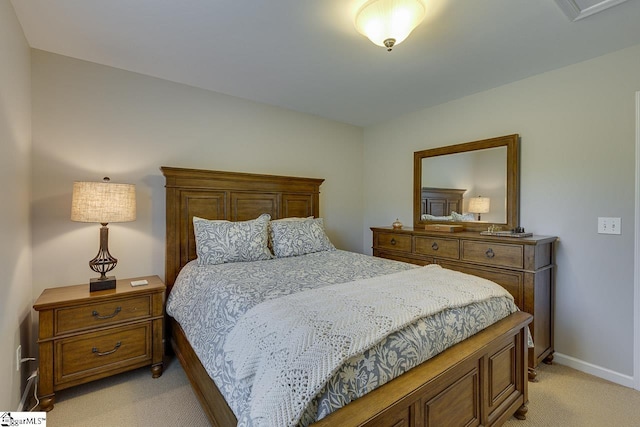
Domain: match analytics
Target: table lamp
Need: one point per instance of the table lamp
(103, 202)
(479, 205)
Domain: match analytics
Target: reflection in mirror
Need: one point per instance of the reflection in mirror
(447, 179)
(481, 173)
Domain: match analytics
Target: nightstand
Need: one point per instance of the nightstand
(85, 336)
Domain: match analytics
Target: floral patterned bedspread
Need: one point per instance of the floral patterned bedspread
(207, 301)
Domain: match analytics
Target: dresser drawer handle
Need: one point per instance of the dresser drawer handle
(95, 350)
(490, 253)
(435, 246)
(393, 241)
(97, 315)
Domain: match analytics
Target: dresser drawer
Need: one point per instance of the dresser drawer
(512, 281)
(400, 257)
(106, 313)
(396, 242)
(441, 248)
(490, 253)
(94, 353)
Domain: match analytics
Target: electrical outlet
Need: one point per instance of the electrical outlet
(607, 225)
(18, 357)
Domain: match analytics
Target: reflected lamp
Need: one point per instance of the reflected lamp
(479, 205)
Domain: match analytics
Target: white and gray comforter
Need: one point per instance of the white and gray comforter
(208, 302)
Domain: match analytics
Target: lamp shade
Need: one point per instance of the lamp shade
(389, 22)
(479, 205)
(103, 202)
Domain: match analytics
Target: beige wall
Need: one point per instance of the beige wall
(577, 163)
(91, 120)
(15, 251)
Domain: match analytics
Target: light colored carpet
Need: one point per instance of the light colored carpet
(131, 399)
(562, 397)
(569, 398)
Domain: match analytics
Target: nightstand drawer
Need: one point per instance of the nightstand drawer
(105, 313)
(396, 242)
(493, 254)
(98, 352)
(443, 248)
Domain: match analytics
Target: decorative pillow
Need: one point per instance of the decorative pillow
(291, 218)
(218, 242)
(462, 217)
(299, 237)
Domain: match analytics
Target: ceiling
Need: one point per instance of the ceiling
(306, 55)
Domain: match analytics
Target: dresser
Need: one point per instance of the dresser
(84, 336)
(523, 266)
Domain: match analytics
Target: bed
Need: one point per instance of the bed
(479, 381)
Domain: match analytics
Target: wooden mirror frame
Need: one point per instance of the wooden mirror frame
(513, 178)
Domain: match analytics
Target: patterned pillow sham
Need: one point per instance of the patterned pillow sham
(218, 242)
(291, 218)
(299, 237)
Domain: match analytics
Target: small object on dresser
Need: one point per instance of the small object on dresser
(449, 228)
(505, 234)
(397, 224)
(139, 282)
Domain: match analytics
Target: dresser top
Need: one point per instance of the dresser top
(78, 294)
(468, 235)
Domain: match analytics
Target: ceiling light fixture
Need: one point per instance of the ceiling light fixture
(388, 22)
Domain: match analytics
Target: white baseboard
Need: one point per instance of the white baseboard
(598, 371)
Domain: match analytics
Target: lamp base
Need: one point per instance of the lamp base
(101, 285)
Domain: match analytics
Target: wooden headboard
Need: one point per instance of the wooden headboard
(441, 201)
(230, 196)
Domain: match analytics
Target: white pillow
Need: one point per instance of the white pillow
(218, 242)
(435, 217)
(463, 217)
(295, 237)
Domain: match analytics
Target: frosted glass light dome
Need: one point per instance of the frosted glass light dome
(388, 22)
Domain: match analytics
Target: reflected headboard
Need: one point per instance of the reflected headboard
(441, 201)
(231, 196)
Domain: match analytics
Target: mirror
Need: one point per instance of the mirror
(474, 184)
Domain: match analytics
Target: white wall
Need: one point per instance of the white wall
(15, 251)
(91, 120)
(577, 163)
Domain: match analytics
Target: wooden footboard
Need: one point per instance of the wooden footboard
(480, 381)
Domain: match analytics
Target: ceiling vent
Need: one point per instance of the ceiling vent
(578, 9)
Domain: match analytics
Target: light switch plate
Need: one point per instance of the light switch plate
(609, 225)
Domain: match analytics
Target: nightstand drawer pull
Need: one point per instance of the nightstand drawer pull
(489, 253)
(393, 241)
(95, 350)
(435, 246)
(97, 315)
